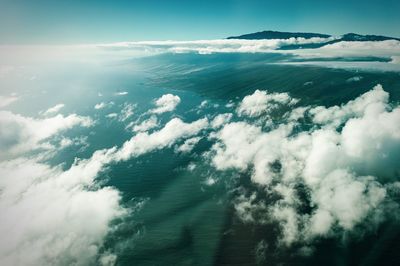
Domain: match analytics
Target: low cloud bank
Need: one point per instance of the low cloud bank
(385, 48)
(213, 46)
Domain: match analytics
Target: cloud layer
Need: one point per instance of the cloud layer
(53, 216)
(212, 46)
(19, 134)
(346, 164)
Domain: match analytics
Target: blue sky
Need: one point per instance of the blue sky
(94, 21)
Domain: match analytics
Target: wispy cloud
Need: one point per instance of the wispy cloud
(53, 110)
(7, 100)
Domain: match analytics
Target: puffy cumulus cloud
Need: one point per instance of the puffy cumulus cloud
(242, 145)
(340, 169)
(44, 220)
(262, 102)
(20, 134)
(53, 110)
(147, 124)
(336, 115)
(345, 199)
(166, 103)
(212, 46)
(7, 100)
(188, 145)
(144, 142)
(220, 120)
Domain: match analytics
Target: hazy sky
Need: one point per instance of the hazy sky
(94, 21)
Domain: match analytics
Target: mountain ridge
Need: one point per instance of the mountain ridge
(272, 35)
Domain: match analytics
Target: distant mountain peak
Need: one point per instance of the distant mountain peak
(270, 35)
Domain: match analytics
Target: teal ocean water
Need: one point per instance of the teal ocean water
(181, 210)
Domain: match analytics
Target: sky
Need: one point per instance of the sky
(100, 21)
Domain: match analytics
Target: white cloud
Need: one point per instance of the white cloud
(336, 115)
(19, 134)
(7, 100)
(344, 164)
(65, 142)
(386, 48)
(389, 49)
(103, 105)
(77, 141)
(121, 93)
(212, 46)
(100, 105)
(262, 102)
(203, 104)
(127, 111)
(144, 142)
(166, 103)
(188, 145)
(221, 120)
(112, 115)
(53, 110)
(366, 45)
(44, 220)
(346, 199)
(146, 125)
(108, 260)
